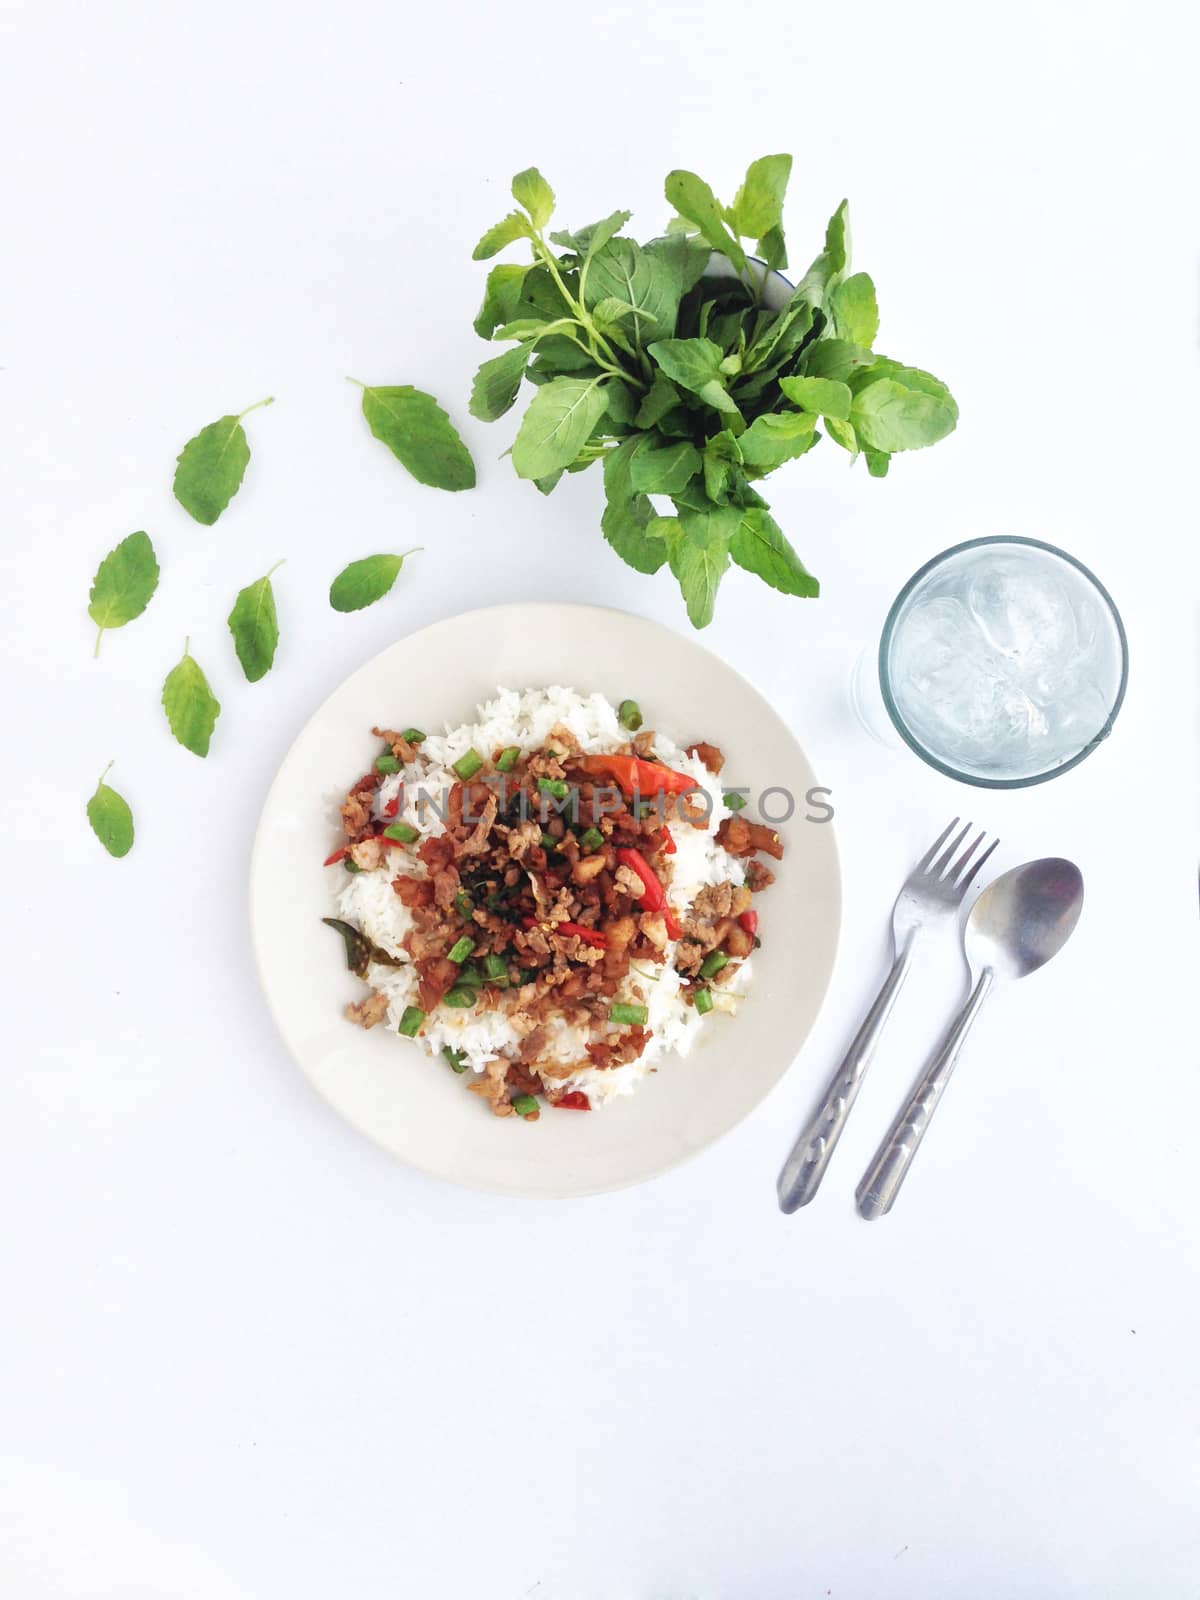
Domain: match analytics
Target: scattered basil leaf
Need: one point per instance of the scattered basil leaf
(110, 817)
(123, 586)
(419, 434)
(254, 624)
(210, 467)
(363, 582)
(191, 707)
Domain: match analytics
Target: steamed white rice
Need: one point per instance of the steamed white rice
(367, 899)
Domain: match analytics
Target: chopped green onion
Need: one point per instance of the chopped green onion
(464, 904)
(528, 975)
(524, 1104)
(635, 1016)
(402, 832)
(549, 842)
(629, 714)
(413, 736)
(471, 976)
(468, 765)
(712, 963)
(558, 787)
(386, 763)
(350, 864)
(704, 1001)
(411, 1021)
(734, 801)
(508, 758)
(461, 949)
(591, 840)
(497, 970)
(456, 1058)
(647, 808)
(460, 997)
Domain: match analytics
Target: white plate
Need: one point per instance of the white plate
(413, 1105)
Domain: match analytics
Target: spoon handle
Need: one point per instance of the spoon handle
(876, 1193)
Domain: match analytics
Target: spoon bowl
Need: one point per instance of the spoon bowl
(1024, 918)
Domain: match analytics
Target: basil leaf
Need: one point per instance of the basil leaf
(836, 358)
(211, 466)
(722, 458)
(110, 817)
(560, 417)
(628, 514)
(549, 483)
(657, 402)
(776, 437)
(624, 272)
(693, 199)
(254, 624)
(501, 296)
(687, 258)
(780, 339)
(665, 471)
(906, 410)
(360, 951)
(695, 364)
(698, 551)
(823, 395)
(497, 384)
(530, 189)
(877, 463)
(191, 707)
(758, 205)
(588, 240)
(855, 313)
(759, 546)
(829, 267)
(123, 586)
(419, 434)
(842, 433)
(513, 226)
(622, 405)
(363, 582)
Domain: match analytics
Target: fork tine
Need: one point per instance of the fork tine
(969, 873)
(937, 844)
(947, 855)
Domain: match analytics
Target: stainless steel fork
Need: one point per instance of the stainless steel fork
(932, 893)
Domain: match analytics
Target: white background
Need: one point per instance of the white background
(241, 1352)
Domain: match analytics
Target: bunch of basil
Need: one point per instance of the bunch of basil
(665, 364)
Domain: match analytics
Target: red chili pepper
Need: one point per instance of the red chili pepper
(392, 808)
(588, 935)
(635, 776)
(749, 921)
(654, 897)
(576, 1100)
(338, 855)
(666, 842)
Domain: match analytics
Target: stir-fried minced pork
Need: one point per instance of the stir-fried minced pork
(543, 892)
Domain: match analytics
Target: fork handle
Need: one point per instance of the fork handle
(805, 1166)
(876, 1194)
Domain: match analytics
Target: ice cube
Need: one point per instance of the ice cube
(1022, 611)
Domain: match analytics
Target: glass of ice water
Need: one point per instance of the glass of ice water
(1003, 662)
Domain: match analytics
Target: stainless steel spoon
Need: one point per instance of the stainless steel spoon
(1015, 926)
